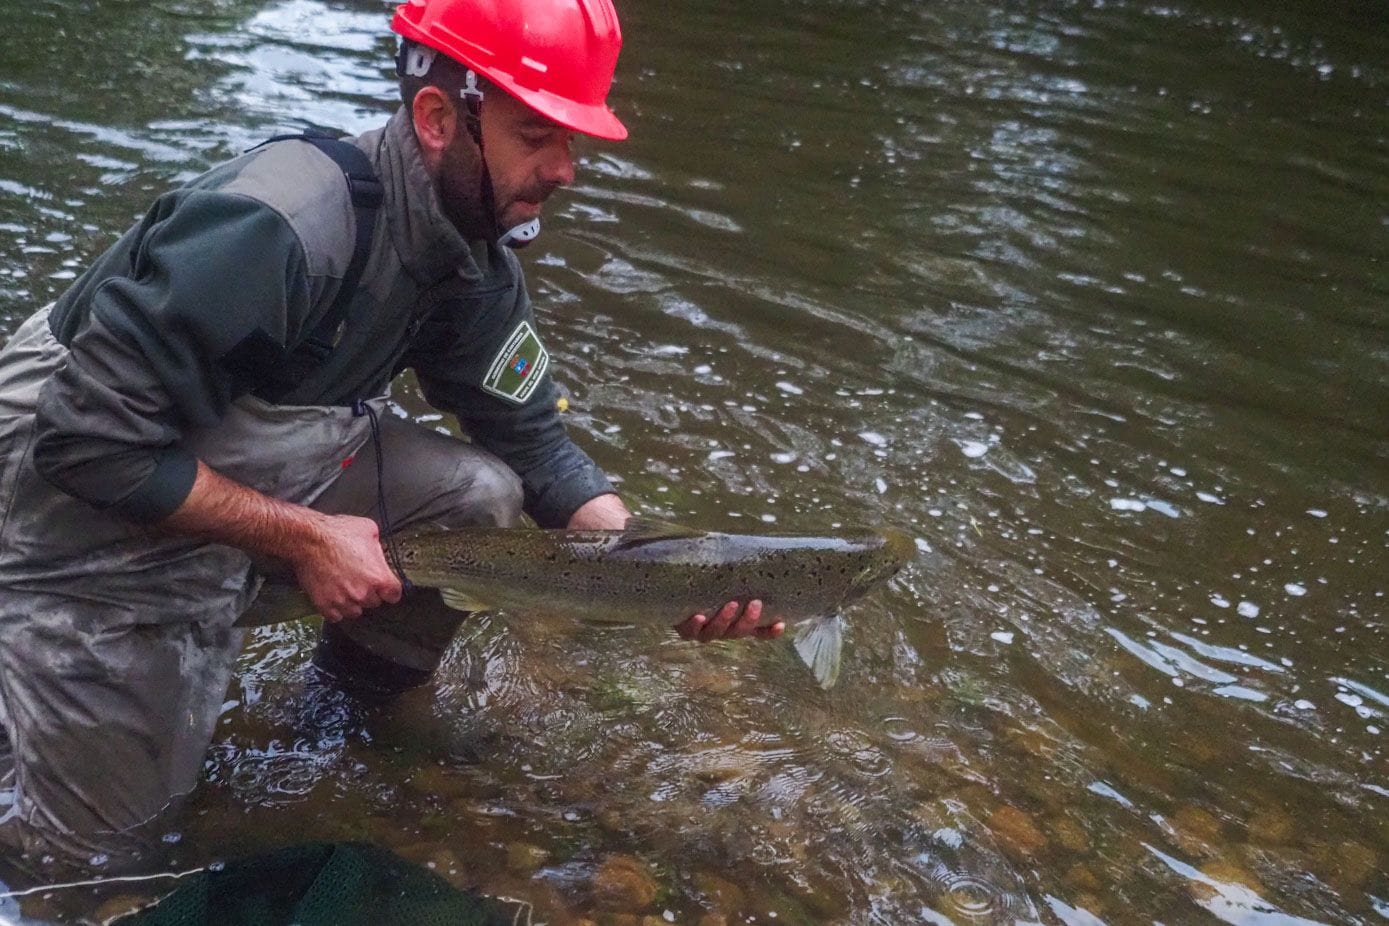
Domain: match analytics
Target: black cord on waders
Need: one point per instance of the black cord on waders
(388, 540)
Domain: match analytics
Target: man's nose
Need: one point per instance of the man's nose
(558, 167)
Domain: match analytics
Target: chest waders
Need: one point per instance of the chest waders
(270, 371)
(117, 641)
(260, 365)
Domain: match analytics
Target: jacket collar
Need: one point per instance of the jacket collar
(429, 245)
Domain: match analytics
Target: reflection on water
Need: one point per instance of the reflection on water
(1087, 297)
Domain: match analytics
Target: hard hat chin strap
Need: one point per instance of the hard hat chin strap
(523, 234)
(518, 236)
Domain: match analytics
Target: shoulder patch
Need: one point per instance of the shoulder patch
(518, 367)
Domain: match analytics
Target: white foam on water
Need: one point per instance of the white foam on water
(1162, 507)
(1240, 692)
(1105, 790)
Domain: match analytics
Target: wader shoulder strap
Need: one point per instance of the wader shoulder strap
(367, 194)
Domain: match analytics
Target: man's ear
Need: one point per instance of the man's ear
(436, 123)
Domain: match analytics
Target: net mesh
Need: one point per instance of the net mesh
(320, 884)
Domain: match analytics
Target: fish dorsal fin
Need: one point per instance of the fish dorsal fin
(641, 529)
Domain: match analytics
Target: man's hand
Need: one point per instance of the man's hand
(607, 512)
(345, 572)
(729, 624)
(337, 559)
(600, 513)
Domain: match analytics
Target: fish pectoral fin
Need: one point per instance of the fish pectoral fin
(276, 603)
(820, 643)
(641, 529)
(460, 600)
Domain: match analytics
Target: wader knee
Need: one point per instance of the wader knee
(492, 498)
(390, 649)
(361, 672)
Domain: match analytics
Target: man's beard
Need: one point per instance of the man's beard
(461, 192)
(462, 196)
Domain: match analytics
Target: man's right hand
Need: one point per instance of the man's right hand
(343, 569)
(337, 559)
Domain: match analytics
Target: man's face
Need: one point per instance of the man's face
(528, 156)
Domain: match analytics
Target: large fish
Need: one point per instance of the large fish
(650, 571)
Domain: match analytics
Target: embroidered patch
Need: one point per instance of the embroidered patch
(518, 367)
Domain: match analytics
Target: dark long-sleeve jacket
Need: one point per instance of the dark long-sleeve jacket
(254, 251)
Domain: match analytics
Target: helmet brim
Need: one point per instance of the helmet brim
(587, 119)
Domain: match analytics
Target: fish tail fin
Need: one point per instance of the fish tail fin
(820, 643)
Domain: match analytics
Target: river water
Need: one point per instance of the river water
(1089, 297)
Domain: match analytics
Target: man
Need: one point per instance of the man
(207, 396)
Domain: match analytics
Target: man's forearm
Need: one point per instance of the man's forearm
(223, 510)
(337, 559)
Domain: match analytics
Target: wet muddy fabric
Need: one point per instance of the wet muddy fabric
(322, 884)
(117, 643)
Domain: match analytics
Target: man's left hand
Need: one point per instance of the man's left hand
(729, 624)
(607, 512)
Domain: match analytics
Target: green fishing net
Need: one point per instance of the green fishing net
(321, 884)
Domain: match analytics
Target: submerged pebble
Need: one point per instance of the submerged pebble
(1070, 834)
(1347, 865)
(1225, 872)
(1079, 877)
(525, 857)
(720, 893)
(1198, 833)
(623, 883)
(1271, 826)
(1016, 831)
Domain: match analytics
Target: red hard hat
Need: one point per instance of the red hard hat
(556, 56)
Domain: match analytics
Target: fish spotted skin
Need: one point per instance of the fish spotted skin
(619, 575)
(651, 571)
